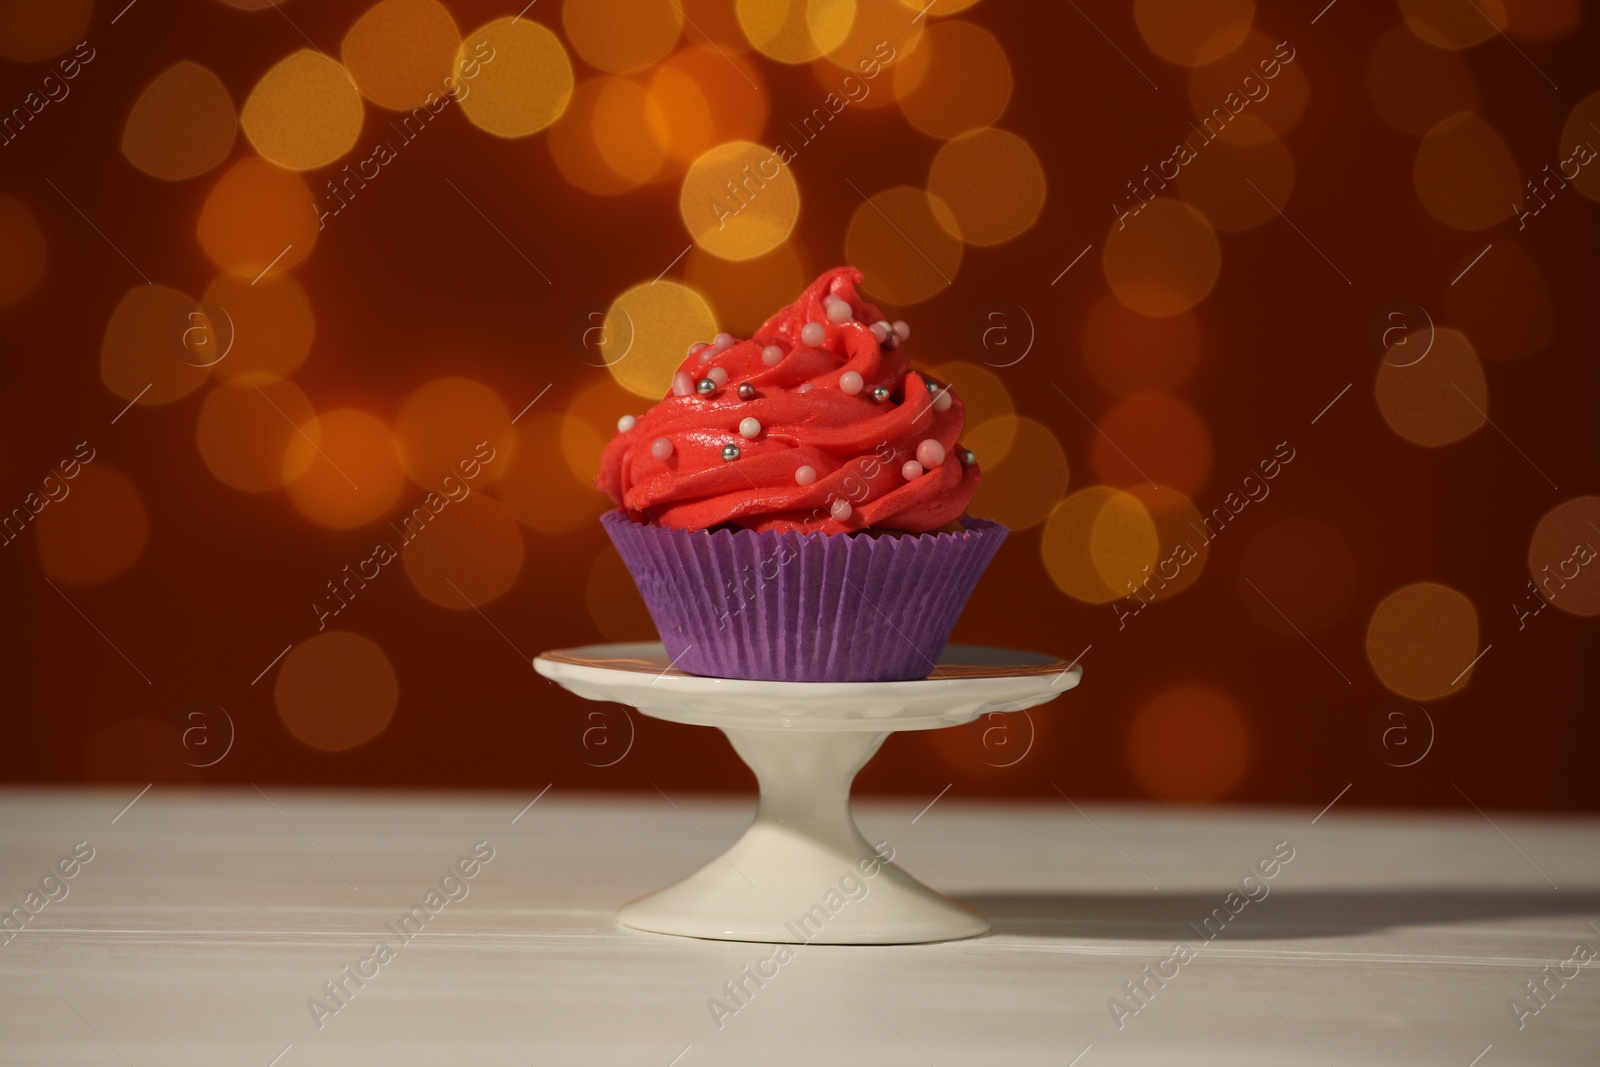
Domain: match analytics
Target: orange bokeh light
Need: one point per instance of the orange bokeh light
(1190, 744)
(30, 32)
(1020, 489)
(272, 324)
(1190, 34)
(1436, 399)
(1454, 23)
(958, 79)
(348, 472)
(1153, 437)
(336, 691)
(538, 489)
(96, 531)
(245, 429)
(23, 263)
(399, 51)
(182, 124)
(258, 216)
(1261, 79)
(1561, 559)
(1422, 639)
(139, 353)
(449, 423)
(468, 554)
(904, 241)
(1416, 85)
(1465, 174)
(1163, 260)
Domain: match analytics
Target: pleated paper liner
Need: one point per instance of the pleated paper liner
(798, 607)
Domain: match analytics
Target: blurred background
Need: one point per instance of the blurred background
(1274, 324)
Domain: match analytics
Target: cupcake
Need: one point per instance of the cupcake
(794, 508)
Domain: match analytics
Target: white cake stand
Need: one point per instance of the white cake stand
(802, 872)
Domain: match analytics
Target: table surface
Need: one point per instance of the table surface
(206, 921)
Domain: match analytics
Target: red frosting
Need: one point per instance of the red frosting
(856, 445)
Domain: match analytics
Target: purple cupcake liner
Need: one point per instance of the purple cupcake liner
(796, 607)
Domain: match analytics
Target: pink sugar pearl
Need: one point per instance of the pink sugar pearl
(911, 471)
(841, 510)
(813, 333)
(851, 383)
(930, 453)
(661, 448)
(772, 355)
(805, 475)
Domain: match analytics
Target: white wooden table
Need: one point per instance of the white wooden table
(206, 921)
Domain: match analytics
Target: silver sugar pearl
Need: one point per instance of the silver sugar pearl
(705, 387)
(747, 391)
(730, 453)
(968, 457)
(933, 386)
(880, 393)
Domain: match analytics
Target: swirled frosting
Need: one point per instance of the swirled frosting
(832, 433)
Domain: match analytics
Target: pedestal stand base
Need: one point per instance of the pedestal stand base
(802, 873)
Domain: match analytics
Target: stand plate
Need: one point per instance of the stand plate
(802, 872)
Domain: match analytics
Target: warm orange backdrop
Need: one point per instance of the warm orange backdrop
(1203, 693)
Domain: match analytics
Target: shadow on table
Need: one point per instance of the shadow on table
(1283, 913)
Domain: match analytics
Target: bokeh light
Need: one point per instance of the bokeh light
(182, 125)
(984, 399)
(1163, 260)
(1436, 399)
(1542, 20)
(1421, 640)
(630, 130)
(716, 24)
(1100, 544)
(1242, 180)
(1503, 304)
(348, 472)
(573, 145)
(1465, 174)
(1020, 489)
(1579, 129)
(1415, 85)
(538, 489)
(992, 182)
(1562, 559)
(650, 328)
(591, 422)
(731, 88)
(25, 253)
(258, 220)
(30, 32)
(946, 7)
(1308, 570)
(1153, 437)
(614, 602)
(96, 531)
(795, 31)
(1131, 353)
(743, 294)
(1189, 34)
(957, 79)
(684, 126)
(622, 36)
(1238, 86)
(881, 28)
(1454, 23)
(336, 691)
(245, 428)
(739, 201)
(400, 51)
(273, 324)
(904, 241)
(467, 555)
(446, 428)
(526, 86)
(138, 353)
(304, 113)
(1181, 541)
(1190, 744)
